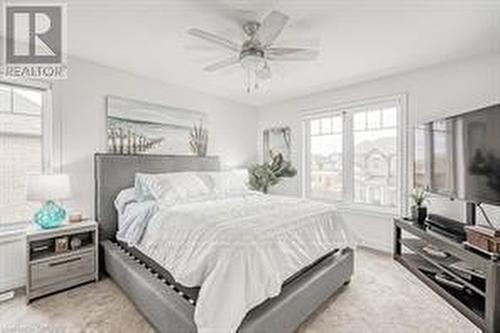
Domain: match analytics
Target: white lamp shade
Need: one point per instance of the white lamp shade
(48, 187)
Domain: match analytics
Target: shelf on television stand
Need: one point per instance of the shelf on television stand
(491, 255)
(481, 304)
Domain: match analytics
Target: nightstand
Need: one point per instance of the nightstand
(53, 264)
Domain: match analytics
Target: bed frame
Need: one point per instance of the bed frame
(168, 306)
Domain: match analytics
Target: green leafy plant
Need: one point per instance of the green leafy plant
(262, 176)
(419, 196)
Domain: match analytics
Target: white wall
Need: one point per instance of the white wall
(81, 100)
(432, 93)
(80, 111)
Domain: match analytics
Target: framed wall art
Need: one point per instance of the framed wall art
(137, 127)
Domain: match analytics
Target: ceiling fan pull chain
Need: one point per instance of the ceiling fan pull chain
(248, 80)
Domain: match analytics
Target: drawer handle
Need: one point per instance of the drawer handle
(52, 264)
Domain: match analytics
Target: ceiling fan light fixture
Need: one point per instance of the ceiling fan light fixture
(253, 62)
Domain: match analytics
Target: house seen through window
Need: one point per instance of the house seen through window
(352, 155)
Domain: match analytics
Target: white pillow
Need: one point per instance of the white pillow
(171, 187)
(227, 182)
(124, 198)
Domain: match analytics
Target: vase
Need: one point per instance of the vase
(198, 147)
(419, 214)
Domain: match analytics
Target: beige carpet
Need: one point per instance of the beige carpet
(382, 297)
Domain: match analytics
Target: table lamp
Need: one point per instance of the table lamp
(48, 189)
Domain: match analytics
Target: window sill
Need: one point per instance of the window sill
(369, 210)
(13, 231)
(385, 212)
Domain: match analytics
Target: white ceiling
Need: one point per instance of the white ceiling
(357, 40)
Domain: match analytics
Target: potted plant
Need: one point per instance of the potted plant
(198, 140)
(262, 176)
(419, 210)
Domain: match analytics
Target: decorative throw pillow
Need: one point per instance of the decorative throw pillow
(171, 187)
(231, 182)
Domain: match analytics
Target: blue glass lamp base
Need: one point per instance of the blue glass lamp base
(50, 215)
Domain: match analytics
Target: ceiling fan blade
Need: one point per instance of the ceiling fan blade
(264, 73)
(271, 27)
(239, 16)
(290, 53)
(221, 41)
(221, 64)
(286, 50)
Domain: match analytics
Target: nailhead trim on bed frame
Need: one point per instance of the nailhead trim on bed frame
(155, 274)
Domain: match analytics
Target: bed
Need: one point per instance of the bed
(171, 306)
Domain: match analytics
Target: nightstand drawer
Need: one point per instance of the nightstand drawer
(62, 269)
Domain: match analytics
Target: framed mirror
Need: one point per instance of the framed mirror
(277, 140)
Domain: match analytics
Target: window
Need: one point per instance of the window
(21, 149)
(419, 164)
(375, 147)
(441, 156)
(352, 155)
(326, 157)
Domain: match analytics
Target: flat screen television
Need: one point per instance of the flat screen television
(459, 156)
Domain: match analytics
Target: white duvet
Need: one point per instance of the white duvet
(239, 250)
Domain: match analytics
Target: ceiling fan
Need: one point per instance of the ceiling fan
(256, 51)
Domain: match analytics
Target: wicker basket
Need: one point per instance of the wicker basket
(483, 238)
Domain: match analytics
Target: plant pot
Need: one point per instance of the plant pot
(419, 214)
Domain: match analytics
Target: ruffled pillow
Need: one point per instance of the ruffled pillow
(173, 188)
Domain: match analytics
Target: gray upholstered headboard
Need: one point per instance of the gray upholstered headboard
(114, 173)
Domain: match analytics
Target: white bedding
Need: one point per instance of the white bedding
(238, 249)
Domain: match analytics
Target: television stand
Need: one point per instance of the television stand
(476, 296)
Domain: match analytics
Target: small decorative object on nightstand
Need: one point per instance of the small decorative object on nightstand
(47, 188)
(60, 258)
(75, 243)
(75, 217)
(61, 244)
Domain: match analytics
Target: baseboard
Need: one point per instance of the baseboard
(11, 284)
(375, 245)
(7, 237)
(5, 296)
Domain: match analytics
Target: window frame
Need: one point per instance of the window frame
(50, 139)
(347, 110)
